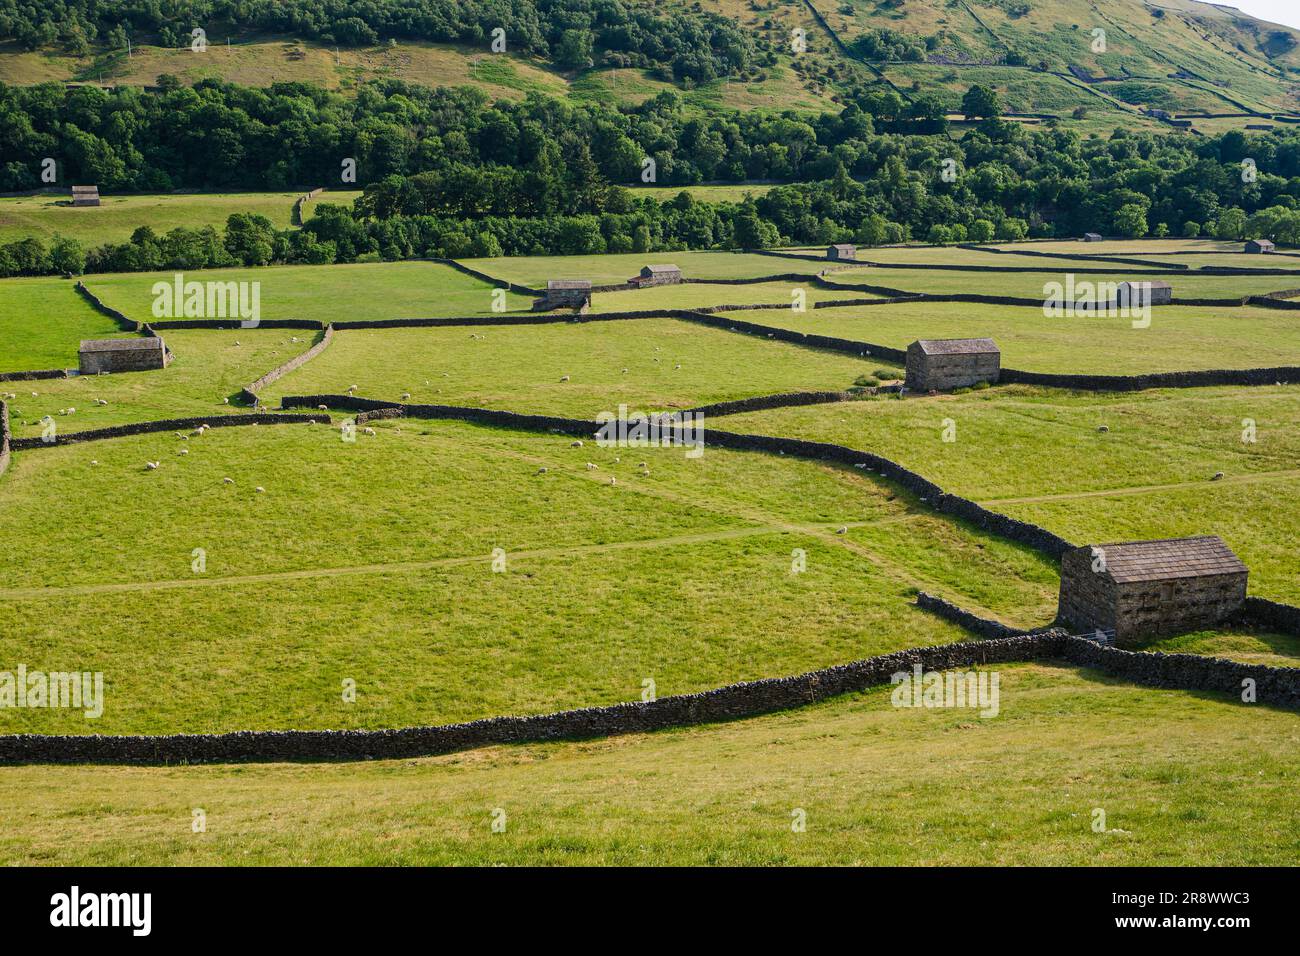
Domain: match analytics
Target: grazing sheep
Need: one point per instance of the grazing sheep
(368, 431)
(260, 490)
(323, 408)
(100, 401)
(183, 451)
(590, 466)
(227, 481)
(1103, 428)
(150, 465)
(843, 530)
(1218, 475)
(405, 396)
(676, 366)
(576, 444)
(351, 389)
(225, 401)
(613, 481)
(94, 461)
(542, 471)
(563, 378)
(624, 371)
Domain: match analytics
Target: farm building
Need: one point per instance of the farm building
(1092, 237)
(1260, 246)
(1145, 292)
(656, 275)
(944, 364)
(122, 355)
(565, 294)
(85, 195)
(1144, 589)
(842, 252)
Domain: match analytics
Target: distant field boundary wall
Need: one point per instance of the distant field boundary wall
(484, 277)
(45, 373)
(1281, 375)
(1275, 687)
(249, 392)
(1094, 256)
(4, 437)
(127, 325)
(164, 425)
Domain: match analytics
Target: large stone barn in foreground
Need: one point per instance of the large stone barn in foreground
(565, 294)
(122, 355)
(944, 364)
(1142, 589)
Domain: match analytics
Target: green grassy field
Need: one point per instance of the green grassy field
(647, 364)
(874, 781)
(1178, 339)
(381, 290)
(117, 217)
(1037, 454)
(356, 560)
(371, 561)
(42, 323)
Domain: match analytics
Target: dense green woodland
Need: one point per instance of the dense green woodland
(572, 33)
(447, 172)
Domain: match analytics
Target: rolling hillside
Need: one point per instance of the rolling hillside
(1096, 64)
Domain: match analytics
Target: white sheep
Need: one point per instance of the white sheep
(563, 378)
(576, 444)
(260, 490)
(368, 431)
(590, 466)
(227, 481)
(150, 465)
(184, 451)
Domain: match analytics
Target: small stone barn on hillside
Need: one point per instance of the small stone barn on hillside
(1260, 246)
(1144, 292)
(944, 364)
(85, 195)
(1092, 237)
(656, 275)
(1141, 589)
(565, 294)
(842, 252)
(123, 355)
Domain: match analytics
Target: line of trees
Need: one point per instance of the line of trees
(573, 33)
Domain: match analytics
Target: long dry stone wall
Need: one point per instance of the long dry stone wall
(1281, 375)
(127, 325)
(982, 626)
(249, 393)
(1276, 687)
(164, 425)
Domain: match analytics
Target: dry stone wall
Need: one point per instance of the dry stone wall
(4, 438)
(164, 425)
(249, 393)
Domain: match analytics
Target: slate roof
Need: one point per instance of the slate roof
(956, 346)
(843, 246)
(1132, 561)
(655, 269)
(568, 283)
(1262, 243)
(120, 345)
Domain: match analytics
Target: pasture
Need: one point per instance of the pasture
(873, 780)
(251, 604)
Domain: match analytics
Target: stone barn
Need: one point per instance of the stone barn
(656, 275)
(944, 364)
(1260, 246)
(85, 195)
(565, 294)
(1144, 292)
(1141, 589)
(842, 252)
(1092, 237)
(123, 355)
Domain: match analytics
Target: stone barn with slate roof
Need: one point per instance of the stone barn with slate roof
(1092, 237)
(85, 195)
(842, 252)
(1144, 292)
(123, 355)
(944, 364)
(1142, 589)
(1259, 246)
(565, 294)
(656, 275)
